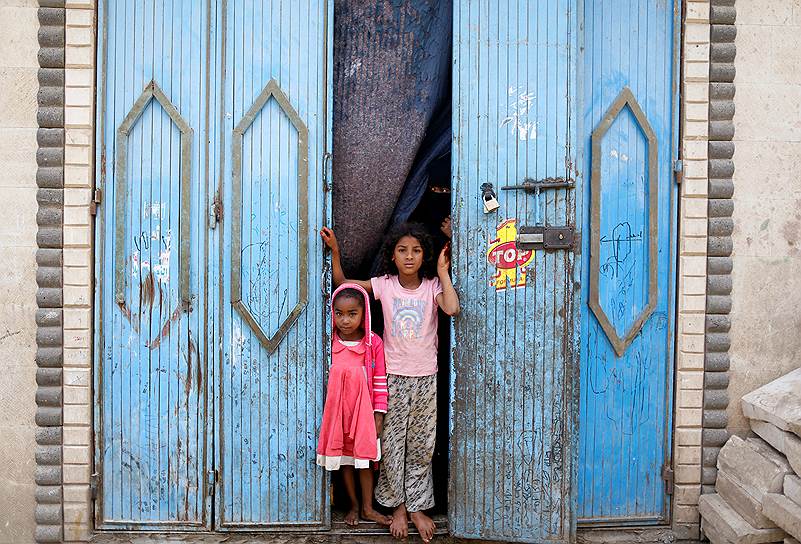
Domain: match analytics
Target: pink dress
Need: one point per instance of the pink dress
(356, 390)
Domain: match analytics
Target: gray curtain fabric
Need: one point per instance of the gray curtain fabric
(391, 74)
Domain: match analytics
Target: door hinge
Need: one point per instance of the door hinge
(211, 481)
(97, 198)
(678, 171)
(667, 476)
(93, 484)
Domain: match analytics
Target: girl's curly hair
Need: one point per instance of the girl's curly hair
(417, 231)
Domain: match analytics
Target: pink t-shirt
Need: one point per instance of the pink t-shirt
(410, 325)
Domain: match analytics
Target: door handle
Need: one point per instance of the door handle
(536, 185)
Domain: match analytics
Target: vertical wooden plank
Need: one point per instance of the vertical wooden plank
(625, 401)
(159, 194)
(512, 397)
(274, 376)
(215, 111)
(305, 437)
(261, 25)
(496, 104)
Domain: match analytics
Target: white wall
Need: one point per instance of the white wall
(766, 313)
(18, 88)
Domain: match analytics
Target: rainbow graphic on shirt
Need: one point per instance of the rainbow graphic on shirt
(407, 317)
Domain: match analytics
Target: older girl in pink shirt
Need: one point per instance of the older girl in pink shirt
(410, 290)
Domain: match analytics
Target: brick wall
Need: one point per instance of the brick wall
(719, 262)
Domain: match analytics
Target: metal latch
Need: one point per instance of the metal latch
(326, 178)
(215, 212)
(667, 476)
(93, 478)
(543, 237)
(325, 279)
(533, 185)
(211, 479)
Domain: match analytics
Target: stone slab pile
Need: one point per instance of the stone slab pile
(757, 495)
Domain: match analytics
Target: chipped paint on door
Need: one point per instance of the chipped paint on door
(151, 310)
(513, 363)
(629, 137)
(275, 108)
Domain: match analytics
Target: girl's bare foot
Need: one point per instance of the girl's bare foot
(370, 514)
(425, 525)
(352, 517)
(399, 527)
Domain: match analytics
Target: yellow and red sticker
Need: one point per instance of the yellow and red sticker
(509, 261)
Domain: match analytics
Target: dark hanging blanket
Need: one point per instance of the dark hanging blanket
(391, 76)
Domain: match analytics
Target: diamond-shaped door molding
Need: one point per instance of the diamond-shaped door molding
(151, 92)
(271, 92)
(625, 99)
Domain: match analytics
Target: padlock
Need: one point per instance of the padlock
(490, 204)
(488, 197)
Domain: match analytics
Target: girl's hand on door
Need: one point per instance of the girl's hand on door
(447, 300)
(330, 239)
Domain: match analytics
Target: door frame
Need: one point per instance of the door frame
(98, 250)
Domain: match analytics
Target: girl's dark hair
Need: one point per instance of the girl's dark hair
(350, 292)
(417, 231)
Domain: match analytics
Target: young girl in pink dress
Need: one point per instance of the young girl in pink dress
(410, 290)
(356, 401)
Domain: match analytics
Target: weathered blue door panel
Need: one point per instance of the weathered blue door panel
(227, 125)
(629, 141)
(513, 403)
(275, 133)
(150, 266)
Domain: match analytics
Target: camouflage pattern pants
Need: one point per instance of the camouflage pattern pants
(407, 444)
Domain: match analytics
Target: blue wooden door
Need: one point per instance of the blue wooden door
(151, 310)
(514, 366)
(275, 133)
(629, 139)
(212, 327)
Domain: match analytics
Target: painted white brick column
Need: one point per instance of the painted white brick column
(691, 295)
(79, 96)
